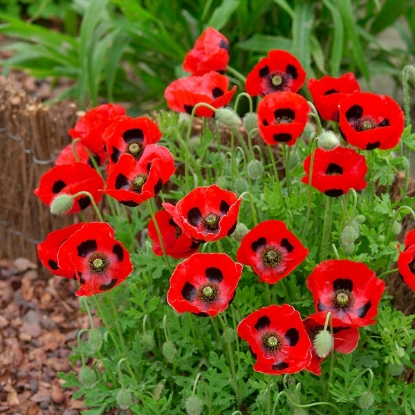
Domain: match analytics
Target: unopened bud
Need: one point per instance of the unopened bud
(328, 140)
(169, 351)
(381, 238)
(240, 231)
(396, 228)
(366, 400)
(87, 376)
(228, 117)
(241, 185)
(349, 235)
(193, 405)
(222, 182)
(295, 160)
(400, 352)
(95, 339)
(231, 335)
(194, 142)
(323, 343)
(396, 369)
(349, 248)
(250, 121)
(309, 130)
(360, 218)
(61, 204)
(158, 390)
(255, 169)
(124, 398)
(147, 342)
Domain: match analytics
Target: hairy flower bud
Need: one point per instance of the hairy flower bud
(193, 405)
(328, 140)
(147, 342)
(366, 400)
(323, 343)
(231, 335)
(396, 369)
(349, 248)
(396, 228)
(295, 160)
(250, 121)
(228, 117)
(124, 398)
(309, 131)
(349, 235)
(240, 231)
(169, 351)
(255, 169)
(360, 218)
(158, 390)
(95, 339)
(61, 204)
(87, 376)
(241, 185)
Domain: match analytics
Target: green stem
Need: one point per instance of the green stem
(269, 396)
(244, 94)
(286, 150)
(314, 113)
(310, 405)
(326, 228)
(309, 190)
(236, 74)
(405, 74)
(350, 387)
(74, 152)
(276, 177)
(91, 198)
(391, 271)
(79, 342)
(251, 201)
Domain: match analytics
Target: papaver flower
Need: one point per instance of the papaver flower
(204, 284)
(176, 243)
(131, 136)
(66, 156)
(406, 260)
(271, 250)
(279, 71)
(370, 121)
(349, 290)
(210, 53)
(133, 181)
(277, 338)
(336, 171)
(70, 179)
(282, 117)
(212, 88)
(328, 92)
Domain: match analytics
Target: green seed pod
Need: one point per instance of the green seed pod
(95, 339)
(349, 235)
(147, 342)
(124, 398)
(250, 121)
(255, 169)
(240, 231)
(228, 117)
(158, 390)
(295, 160)
(396, 228)
(323, 343)
(87, 376)
(396, 369)
(381, 238)
(366, 400)
(241, 185)
(169, 351)
(221, 182)
(193, 405)
(61, 204)
(349, 248)
(328, 140)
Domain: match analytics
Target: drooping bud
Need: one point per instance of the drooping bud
(95, 339)
(366, 400)
(255, 169)
(396, 228)
(61, 204)
(400, 351)
(87, 376)
(147, 342)
(309, 131)
(349, 235)
(323, 343)
(124, 398)
(222, 182)
(158, 390)
(241, 185)
(396, 369)
(349, 248)
(169, 351)
(193, 405)
(250, 121)
(240, 231)
(328, 140)
(228, 117)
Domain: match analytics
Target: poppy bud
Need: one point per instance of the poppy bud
(61, 204)
(158, 390)
(231, 335)
(240, 231)
(300, 411)
(381, 238)
(349, 248)
(241, 185)
(87, 376)
(328, 140)
(95, 339)
(250, 121)
(147, 342)
(228, 117)
(323, 343)
(400, 351)
(366, 400)
(255, 169)
(124, 398)
(309, 130)
(294, 160)
(169, 351)
(396, 228)
(360, 218)
(194, 142)
(349, 235)
(396, 369)
(193, 405)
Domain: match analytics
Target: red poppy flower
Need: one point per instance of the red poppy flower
(129, 135)
(271, 250)
(176, 243)
(282, 117)
(336, 171)
(133, 181)
(91, 126)
(207, 213)
(277, 339)
(70, 179)
(48, 249)
(406, 260)
(345, 341)
(349, 290)
(200, 288)
(280, 71)
(66, 156)
(212, 88)
(370, 121)
(327, 93)
(97, 260)
(210, 53)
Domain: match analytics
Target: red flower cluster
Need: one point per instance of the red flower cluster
(406, 260)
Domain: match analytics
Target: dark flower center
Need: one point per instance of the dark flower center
(271, 256)
(138, 183)
(98, 262)
(342, 299)
(364, 124)
(211, 221)
(272, 341)
(278, 81)
(208, 292)
(135, 149)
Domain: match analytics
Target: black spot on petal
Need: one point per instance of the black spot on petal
(372, 146)
(201, 314)
(254, 355)
(194, 245)
(188, 108)
(262, 323)
(117, 250)
(411, 265)
(286, 244)
(53, 264)
(214, 274)
(280, 366)
(189, 291)
(384, 123)
(343, 284)
(259, 243)
(121, 181)
(58, 186)
(158, 186)
(224, 207)
(362, 311)
(129, 203)
(106, 287)
(331, 91)
(284, 113)
(282, 137)
(334, 192)
(334, 168)
(194, 216)
(84, 202)
(231, 229)
(217, 92)
(135, 134)
(115, 155)
(265, 123)
(354, 112)
(224, 45)
(86, 247)
(292, 71)
(264, 72)
(292, 335)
